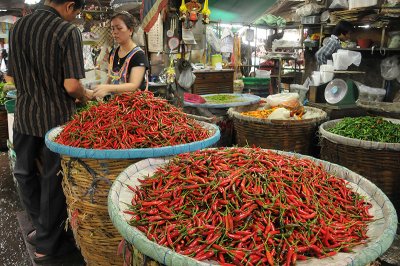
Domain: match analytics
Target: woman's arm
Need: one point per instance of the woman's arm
(135, 80)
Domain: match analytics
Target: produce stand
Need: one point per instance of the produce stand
(381, 231)
(87, 176)
(377, 161)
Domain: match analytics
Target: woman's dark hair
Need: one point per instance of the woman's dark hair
(126, 18)
(343, 27)
(79, 4)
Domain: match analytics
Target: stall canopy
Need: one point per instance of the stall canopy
(238, 11)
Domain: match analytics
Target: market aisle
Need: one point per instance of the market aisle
(12, 247)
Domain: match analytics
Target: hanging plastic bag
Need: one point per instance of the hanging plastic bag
(390, 69)
(186, 79)
(308, 9)
(339, 4)
(213, 40)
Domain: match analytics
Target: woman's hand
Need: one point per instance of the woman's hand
(101, 90)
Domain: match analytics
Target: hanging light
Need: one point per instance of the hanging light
(31, 2)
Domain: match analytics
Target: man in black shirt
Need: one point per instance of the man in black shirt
(46, 63)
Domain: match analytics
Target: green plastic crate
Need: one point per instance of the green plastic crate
(255, 81)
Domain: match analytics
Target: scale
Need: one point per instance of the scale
(338, 92)
(341, 93)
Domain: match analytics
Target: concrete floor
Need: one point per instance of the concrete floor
(12, 247)
(14, 251)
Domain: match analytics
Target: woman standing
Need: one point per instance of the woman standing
(128, 63)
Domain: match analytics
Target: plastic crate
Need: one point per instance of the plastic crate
(256, 86)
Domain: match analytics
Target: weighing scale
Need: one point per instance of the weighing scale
(338, 92)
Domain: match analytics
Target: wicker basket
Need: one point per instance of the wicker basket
(86, 184)
(3, 128)
(87, 177)
(391, 110)
(288, 135)
(378, 162)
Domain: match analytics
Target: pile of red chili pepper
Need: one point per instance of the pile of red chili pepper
(243, 206)
(135, 120)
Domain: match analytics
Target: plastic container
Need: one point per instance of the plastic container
(364, 43)
(370, 94)
(10, 107)
(310, 20)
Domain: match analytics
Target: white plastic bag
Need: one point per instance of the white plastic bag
(280, 114)
(339, 4)
(390, 69)
(342, 59)
(186, 79)
(308, 9)
(287, 100)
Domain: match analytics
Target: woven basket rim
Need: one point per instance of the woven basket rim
(323, 115)
(380, 106)
(372, 145)
(168, 257)
(131, 153)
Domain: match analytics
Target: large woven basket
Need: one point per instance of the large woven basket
(385, 109)
(287, 135)
(3, 128)
(87, 178)
(381, 231)
(377, 161)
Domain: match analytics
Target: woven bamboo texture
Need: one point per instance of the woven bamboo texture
(287, 135)
(86, 183)
(139, 259)
(3, 128)
(381, 167)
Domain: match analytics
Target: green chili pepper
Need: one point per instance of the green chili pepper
(368, 128)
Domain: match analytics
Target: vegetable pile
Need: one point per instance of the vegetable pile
(265, 113)
(248, 207)
(135, 120)
(222, 98)
(368, 128)
(3, 94)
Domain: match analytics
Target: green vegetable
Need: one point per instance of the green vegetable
(3, 97)
(87, 106)
(368, 128)
(222, 98)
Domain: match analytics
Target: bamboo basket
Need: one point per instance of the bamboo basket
(287, 135)
(3, 128)
(86, 183)
(378, 162)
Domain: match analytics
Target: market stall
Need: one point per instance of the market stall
(140, 179)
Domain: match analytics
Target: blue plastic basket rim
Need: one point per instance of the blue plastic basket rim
(133, 153)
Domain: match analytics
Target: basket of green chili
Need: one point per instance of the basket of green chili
(367, 145)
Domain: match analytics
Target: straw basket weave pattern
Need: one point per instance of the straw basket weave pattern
(3, 128)
(378, 162)
(287, 135)
(86, 184)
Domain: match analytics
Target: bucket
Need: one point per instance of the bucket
(10, 107)
(216, 58)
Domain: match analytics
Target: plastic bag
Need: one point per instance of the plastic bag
(186, 79)
(280, 114)
(213, 40)
(308, 9)
(287, 100)
(340, 4)
(390, 68)
(342, 59)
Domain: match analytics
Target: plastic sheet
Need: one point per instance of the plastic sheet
(381, 232)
